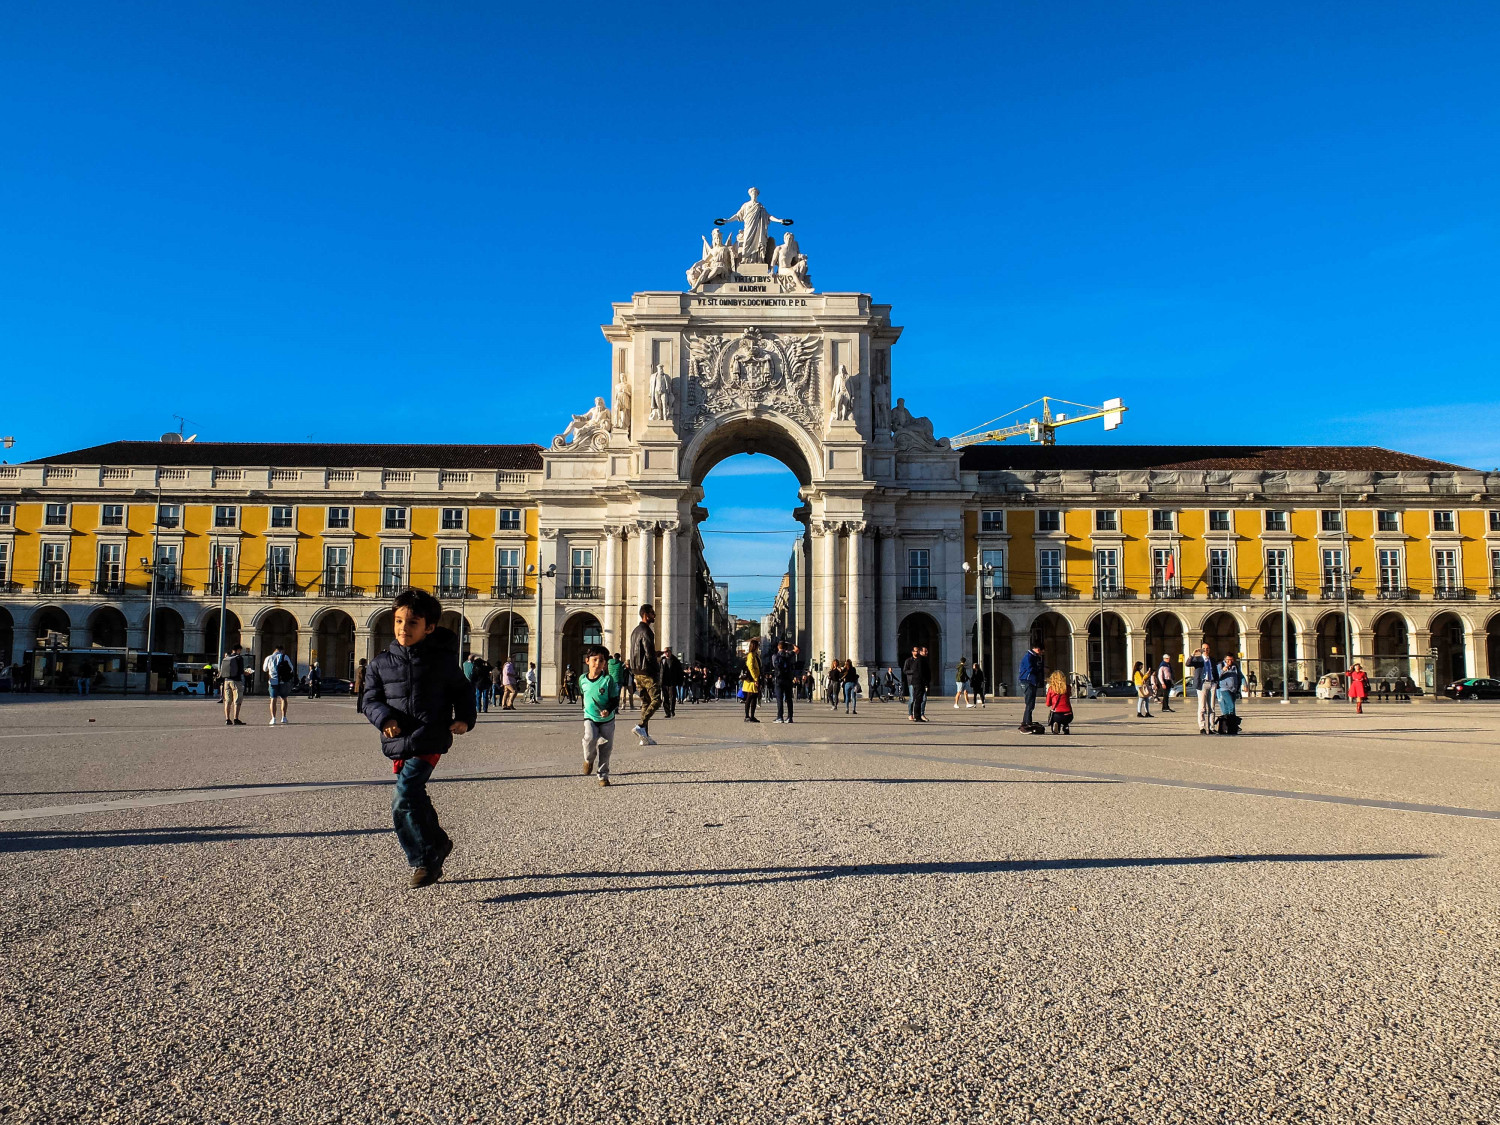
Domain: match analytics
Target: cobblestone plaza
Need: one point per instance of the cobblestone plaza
(857, 920)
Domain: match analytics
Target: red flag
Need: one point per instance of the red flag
(1171, 566)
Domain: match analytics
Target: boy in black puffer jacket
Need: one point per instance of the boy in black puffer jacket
(417, 697)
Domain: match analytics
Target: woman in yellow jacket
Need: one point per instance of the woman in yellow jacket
(750, 683)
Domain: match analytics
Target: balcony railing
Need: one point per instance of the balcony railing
(215, 589)
(171, 587)
(1495, 593)
(1452, 593)
(281, 588)
(997, 594)
(1225, 591)
(327, 589)
(1396, 594)
(1055, 592)
(1272, 593)
(9, 587)
(582, 593)
(457, 591)
(54, 586)
(1113, 592)
(511, 593)
(919, 593)
(1169, 590)
(112, 587)
(1335, 593)
(389, 589)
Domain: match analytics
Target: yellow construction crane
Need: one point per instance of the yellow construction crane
(1042, 430)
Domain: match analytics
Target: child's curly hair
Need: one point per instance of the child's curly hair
(1058, 682)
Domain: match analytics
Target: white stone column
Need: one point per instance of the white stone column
(951, 591)
(307, 640)
(645, 563)
(889, 655)
(1476, 654)
(667, 613)
(613, 595)
(856, 604)
(825, 587)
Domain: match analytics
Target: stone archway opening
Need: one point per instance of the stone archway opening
(1222, 632)
(168, 633)
(233, 634)
(1164, 637)
(579, 631)
(1109, 659)
(382, 632)
(1056, 637)
(7, 635)
(456, 624)
(510, 639)
(334, 644)
(995, 645)
(1450, 657)
(1333, 644)
(51, 622)
(1392, 656)
(107, 628)
(920, 629)
(750, 534)
(1270, 671)
(276, 627)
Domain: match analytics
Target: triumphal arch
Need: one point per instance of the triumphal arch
(750, 357)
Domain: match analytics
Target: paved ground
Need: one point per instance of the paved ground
(843, 920)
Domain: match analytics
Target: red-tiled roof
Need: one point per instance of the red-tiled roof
(303, 455)
(1356, 458)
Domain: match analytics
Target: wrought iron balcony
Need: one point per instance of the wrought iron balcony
(1113, 592)
(1494, 593)
(327, 589)
(582, 593)
(1168, 591)
(1452, 593)
(216, 590)
(112, 587)
(511, 593)
(1396, 594)
(390, 589)
(997, 594)
(170, 587)
(9, 587)
(281, 588)
(1272, 593)
(53, 586)
(1336, 593)
(1056, 593)
(919, 593)
(462, 593)
(1226, 591)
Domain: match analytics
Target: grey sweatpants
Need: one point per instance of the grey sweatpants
(598, 741)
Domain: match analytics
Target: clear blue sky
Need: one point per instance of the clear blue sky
(1258, 223)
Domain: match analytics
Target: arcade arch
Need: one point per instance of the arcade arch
(232, 631)
(509, 638)
(334, 644)
(1056, 636)
(1108, 656)
(1222, 632)
(579, 630)
(1333, 647)
(168, 633)
(1392, 647)
(1270, 653)
(1446, 633)
(920, 629)
(7, 635)
(50, 619)
(272, 628)
(995, 645)
(107, 628)
(1164, 637)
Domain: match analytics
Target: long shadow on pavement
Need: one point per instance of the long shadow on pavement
(749, 876)
(386, 780)
(139, 837)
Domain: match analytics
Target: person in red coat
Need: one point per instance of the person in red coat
(1359, 688)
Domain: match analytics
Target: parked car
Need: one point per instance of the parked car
(1117, 688)
(329, 685)
(189, 687)
(1473, 688)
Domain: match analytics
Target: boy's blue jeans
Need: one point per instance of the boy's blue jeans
(422, 839)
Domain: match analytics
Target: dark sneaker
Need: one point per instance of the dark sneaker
(421, 877)
(588, 768)
(229, 722)
(239, 722)
(443, 853)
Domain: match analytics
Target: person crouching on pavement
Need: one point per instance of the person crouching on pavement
(1059, 704)
(601, 701)
(417, 697)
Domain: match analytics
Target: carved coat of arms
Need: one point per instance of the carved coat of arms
(752, 369)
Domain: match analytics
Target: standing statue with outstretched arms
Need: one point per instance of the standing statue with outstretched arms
(754, 243)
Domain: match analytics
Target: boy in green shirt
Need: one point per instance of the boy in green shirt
(601, 700)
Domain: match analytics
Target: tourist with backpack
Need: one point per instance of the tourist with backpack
(281, 677)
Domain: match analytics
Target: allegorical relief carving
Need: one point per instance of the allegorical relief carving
(750, 370)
